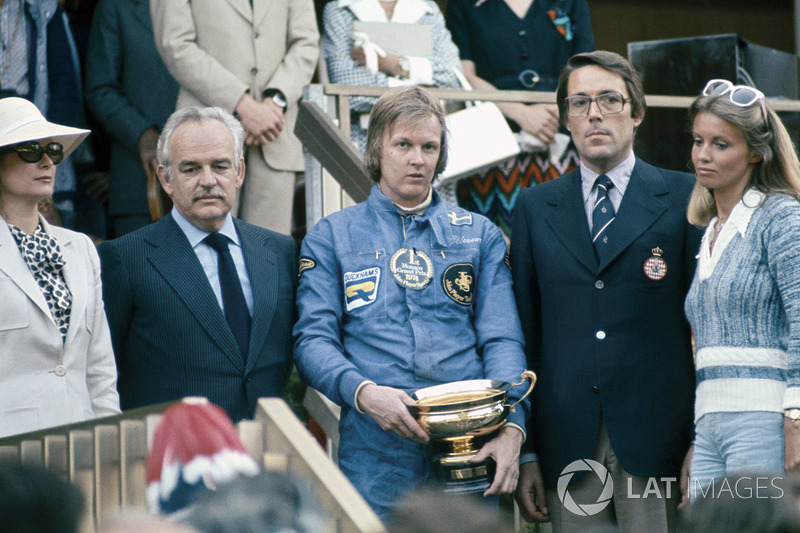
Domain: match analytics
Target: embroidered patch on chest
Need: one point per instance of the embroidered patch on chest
(411, 268)
(361, 288)
(459, 283)
(463, 220)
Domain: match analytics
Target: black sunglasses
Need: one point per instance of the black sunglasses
(33, 152)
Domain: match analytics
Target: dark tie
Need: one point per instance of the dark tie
(233, 301)
(602, 215)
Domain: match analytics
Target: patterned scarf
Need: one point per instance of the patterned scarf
(43, 257)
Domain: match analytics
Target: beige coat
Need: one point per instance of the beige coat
(218, 49)
(43, 382)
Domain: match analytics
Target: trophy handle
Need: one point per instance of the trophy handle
(527, 375)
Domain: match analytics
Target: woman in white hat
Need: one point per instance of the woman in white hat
(56, 360)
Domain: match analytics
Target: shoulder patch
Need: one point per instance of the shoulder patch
(305, 264)
(459, 283)
(361, 288)
(463, 220)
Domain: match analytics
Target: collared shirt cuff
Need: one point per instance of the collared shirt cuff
(355, 396)
(528, 458)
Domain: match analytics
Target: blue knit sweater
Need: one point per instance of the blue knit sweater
(746, 316)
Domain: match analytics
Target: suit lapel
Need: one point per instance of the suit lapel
(566, 217)
(244, 8)
(260, 261)
(14, 266)
(174, 260)
(639, 209)
(260, 9)
(75, 276)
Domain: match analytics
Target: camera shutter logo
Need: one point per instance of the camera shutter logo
(586, 509)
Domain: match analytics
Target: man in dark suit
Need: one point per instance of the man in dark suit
(131, 93)
(181, 294)
(601, 260)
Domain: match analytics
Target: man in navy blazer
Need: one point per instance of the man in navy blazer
(601, 260)
(167, 293)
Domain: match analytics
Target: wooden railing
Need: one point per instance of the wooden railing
(106, 458)
(325, 196)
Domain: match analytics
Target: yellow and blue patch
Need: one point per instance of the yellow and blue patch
(361, 288)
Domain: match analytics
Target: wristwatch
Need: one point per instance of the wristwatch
(792, 414)
(277, 96)
(405, 67)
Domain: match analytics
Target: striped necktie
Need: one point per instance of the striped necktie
(602, 214)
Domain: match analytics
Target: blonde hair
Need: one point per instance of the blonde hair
(415, 106)
(778, 171)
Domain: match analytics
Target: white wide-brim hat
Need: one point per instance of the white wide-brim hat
(21, 121)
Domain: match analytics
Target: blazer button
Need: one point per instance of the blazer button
(599, 284)
(595, 390)
(600, 335)
(60, 371)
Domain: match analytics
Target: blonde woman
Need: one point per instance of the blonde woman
(744, 302)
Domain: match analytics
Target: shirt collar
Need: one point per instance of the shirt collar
(196, 235)
(620, 175)
(408, 11)
(743, 211)
(417, 209)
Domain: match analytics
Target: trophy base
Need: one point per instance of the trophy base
(453, 471)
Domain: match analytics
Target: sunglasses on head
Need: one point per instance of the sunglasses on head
(33, 152)
(740, 95)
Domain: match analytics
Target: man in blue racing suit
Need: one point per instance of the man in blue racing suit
(403, 292)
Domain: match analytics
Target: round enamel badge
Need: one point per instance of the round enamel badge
(655, 267)
(411, 268)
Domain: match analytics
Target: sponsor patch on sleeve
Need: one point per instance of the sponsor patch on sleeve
(459, 283)
(305, 264)
(361, 288)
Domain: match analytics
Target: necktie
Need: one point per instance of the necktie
(602, 214)
(235, 306)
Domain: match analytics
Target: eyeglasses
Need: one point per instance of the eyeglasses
(608, 103)
(33, 152)
(739, 95)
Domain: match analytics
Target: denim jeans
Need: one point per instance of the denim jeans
(730, 444)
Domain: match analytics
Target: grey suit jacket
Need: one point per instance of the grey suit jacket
(169, 333)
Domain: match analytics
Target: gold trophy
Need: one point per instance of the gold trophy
(460, 418)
